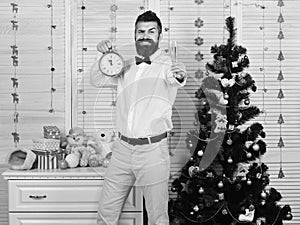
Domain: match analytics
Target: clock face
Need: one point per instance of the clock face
(111, 64)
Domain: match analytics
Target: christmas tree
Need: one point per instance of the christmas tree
(224, 182)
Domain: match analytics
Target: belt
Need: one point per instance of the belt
(143, 141)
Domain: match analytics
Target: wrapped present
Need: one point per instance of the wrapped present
(51, 132)
(46, 160)
(45, 144)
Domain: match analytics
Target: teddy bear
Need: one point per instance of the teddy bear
(79, 148)
(104, 139)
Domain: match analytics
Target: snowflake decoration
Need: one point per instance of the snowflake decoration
(199, 41)
(113, 29)
(199, 2)
(199, 56)
(199, 23)
(114, 8)
(199, 74)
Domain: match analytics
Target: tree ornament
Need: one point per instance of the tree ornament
(249, 155)
(229, 141)
(238, 186)
(196, 208)
(200, 153)
(190, 144)
(248, 144)
(249, 182)
(248, 216)
(247, 101)
(201, 190)
(263, 194)
(224, 212)
(231, 127)
(255, 147)
(220, 184)
(221, 196)
(230, 160)
(289, 216)
(226, 96)
(221, 122)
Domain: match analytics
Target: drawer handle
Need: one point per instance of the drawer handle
(37, 197)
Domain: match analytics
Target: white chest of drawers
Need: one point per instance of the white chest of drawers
(63, 197)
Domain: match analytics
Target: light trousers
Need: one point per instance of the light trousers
(145, 166)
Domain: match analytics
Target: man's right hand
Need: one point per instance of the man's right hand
(104, 46)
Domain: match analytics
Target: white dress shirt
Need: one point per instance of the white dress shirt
(146, 94)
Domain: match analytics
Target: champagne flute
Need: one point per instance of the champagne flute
(173, 50)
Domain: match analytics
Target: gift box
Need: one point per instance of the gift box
(46, 160)
(45, 144)
(51, 132)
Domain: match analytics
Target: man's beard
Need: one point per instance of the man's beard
(146, 50)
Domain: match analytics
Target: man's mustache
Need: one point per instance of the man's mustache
(145, 40)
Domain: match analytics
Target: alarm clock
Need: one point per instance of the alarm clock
(111, 63)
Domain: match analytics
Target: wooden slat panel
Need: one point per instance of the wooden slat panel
(33, 73)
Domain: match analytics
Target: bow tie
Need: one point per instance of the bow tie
(139, 60)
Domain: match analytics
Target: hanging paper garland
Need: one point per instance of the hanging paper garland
(280, 77)
(199, 40)
(262, 68)
(51, 49)
(81, 70)
(113, 38)
(14, 79)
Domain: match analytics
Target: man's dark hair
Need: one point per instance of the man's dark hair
(149, 16)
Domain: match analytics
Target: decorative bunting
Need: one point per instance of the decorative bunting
(280, 143)
(14, 79)
(280, 94)
(199, 56)
(280, 35)
(199, 22)
(280, 3)
(262, 68)
(81, 70)
(280, 119)
(280, 56)
(199, 74)
(280, 19)
(51, 49)
(280, 77)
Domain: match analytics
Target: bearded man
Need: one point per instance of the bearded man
(147, 90)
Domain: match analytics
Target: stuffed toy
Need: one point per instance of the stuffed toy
(21, 159)
(104, 139)
(76, 140)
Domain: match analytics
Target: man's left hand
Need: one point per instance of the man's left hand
(179, 71)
